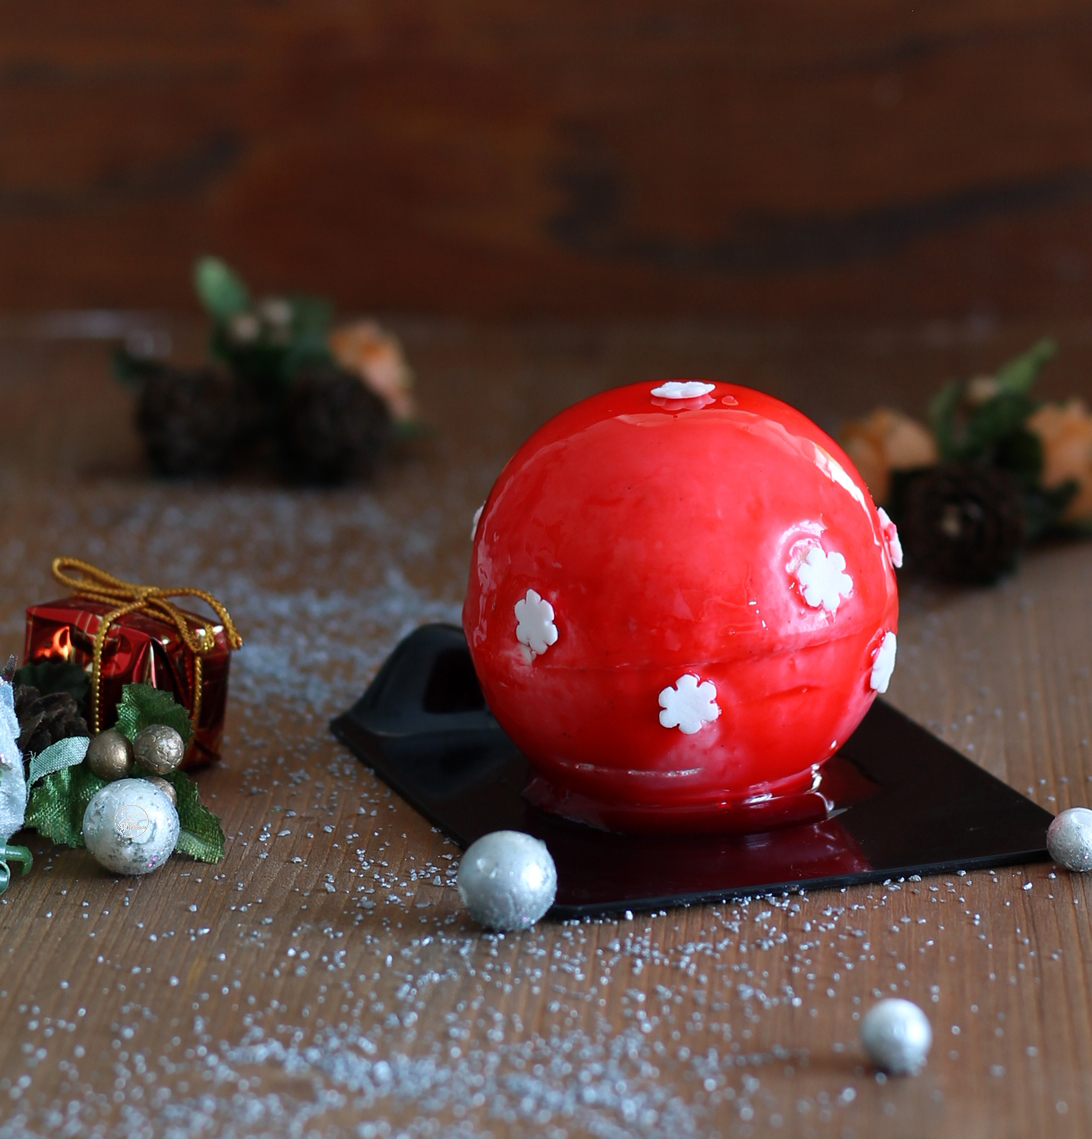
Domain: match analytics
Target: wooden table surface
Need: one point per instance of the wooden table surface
(324, 981)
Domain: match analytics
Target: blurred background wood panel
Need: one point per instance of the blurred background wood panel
(502, 159)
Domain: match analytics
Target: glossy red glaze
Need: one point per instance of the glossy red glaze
(667, 536)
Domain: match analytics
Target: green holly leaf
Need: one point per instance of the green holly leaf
(306, 351)
(57, 804)
(221, 292)
(200, 835)
(55, 676)
(142, 705)
(261, 364)
(1018, 376)
(993, 423)
(58, 801)
(942, 414)
(1022, 453)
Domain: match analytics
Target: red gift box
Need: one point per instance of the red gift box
(144, 643)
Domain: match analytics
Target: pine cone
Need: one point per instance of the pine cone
(963, 522)
(190, 420)
(43, 720)
(333, 428)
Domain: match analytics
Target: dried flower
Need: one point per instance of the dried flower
(367, 350)
(1065, 432)
(886, 441)
(980, 390)
(244, 328)
(275, 312)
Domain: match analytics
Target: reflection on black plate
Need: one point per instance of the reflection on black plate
(904, 802)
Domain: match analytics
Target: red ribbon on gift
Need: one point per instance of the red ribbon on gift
(128, 597)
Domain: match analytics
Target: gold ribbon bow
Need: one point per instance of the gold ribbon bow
(130, 598)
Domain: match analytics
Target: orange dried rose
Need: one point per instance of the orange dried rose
(376, 356)
(1065, 431)
(884, 441)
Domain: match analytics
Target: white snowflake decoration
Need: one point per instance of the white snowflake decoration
(823, 580)
(883, 664)
(535, 626)
(890, 537)
(689, 704)
(682, 389)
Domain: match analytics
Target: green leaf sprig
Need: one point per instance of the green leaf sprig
(142, 706)
(55, 676)
(265, 342)
(993, 431)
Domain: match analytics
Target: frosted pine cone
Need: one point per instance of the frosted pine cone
(333, 428)
(43, 720)
(963, 522)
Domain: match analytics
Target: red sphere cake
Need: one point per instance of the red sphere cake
(681, 602)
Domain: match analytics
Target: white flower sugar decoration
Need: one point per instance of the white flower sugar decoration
(823, 580)
(883, 664)
(890, 537)
(682, 389)
(689, 704)
(535, 626)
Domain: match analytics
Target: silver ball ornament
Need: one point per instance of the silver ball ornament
(165, 787)
(110, 756)
(507, 880)
(130, 827)
(1069, 839)
(896, 1036)
(158, 749)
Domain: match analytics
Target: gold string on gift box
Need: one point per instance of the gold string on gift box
(128, 597)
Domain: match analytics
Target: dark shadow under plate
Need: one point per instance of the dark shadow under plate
(423, 727)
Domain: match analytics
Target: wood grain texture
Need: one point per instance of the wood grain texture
(323, 980)
(503, 159)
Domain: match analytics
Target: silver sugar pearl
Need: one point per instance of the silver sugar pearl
(130, 827)
(158, 749)
(165, 787)
(896, 1036)
(110, 756)
(1069, 839)
(507, 880)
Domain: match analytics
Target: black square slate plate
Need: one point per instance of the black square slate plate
(424, 728)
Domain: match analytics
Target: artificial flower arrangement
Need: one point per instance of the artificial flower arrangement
(325, 401)
(48, 777)
(994, 471)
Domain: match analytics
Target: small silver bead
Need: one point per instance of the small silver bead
(130, 827)
(1069, 839)
(507, 880)
(110, 756)
(158, 749)
(896, 1036)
